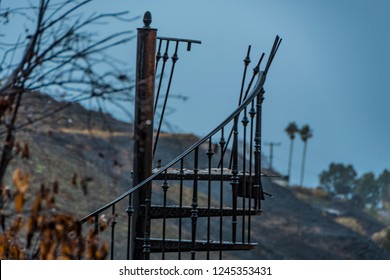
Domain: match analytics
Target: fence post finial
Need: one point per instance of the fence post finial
(147, 19)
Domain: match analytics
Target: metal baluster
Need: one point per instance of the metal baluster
(130, 212)
(257, 152)
(165, 188)
(174, 59)
(259, 117)
(165, 58)
(113, 223)
(209, 155)
(244, 122)
(247, 60)
(222, 145)
(252, 114)
(226, 147)
(148, 202)
(194, 211)
(256, 70)
(158, 55)
(181, 176)
(234, 179)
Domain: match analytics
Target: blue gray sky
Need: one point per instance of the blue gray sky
(331, 72)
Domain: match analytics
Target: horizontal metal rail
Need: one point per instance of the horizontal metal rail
(180, 40)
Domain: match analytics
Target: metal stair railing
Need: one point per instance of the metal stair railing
(165, 58)
(244, 184)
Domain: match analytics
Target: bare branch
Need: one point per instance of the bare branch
(63, 57)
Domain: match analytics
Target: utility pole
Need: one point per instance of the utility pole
(271, 151)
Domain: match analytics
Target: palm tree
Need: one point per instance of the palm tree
(291, 129)
(306, 133)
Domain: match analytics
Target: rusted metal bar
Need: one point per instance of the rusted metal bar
(143, 132)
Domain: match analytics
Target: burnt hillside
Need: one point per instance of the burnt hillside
(90, 155)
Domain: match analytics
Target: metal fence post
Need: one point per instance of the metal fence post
(143, 133)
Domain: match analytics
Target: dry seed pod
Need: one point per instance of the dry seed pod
(6, 193)
(21, 180)
(26, 151)
(36, 205)
(19, 201)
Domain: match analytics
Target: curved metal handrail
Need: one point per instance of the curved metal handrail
(255, 92)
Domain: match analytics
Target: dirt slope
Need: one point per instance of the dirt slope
(291, 228)
(99, 147)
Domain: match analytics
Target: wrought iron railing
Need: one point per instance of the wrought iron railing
(164, 57)
(208, 194)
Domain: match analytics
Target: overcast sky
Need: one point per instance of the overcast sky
(331, 72)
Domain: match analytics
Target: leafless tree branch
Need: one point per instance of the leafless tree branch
(63, 56)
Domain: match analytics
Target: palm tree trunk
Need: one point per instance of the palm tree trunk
(303, 163)
(290, 159)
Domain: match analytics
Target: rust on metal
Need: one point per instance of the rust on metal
(143, 128)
